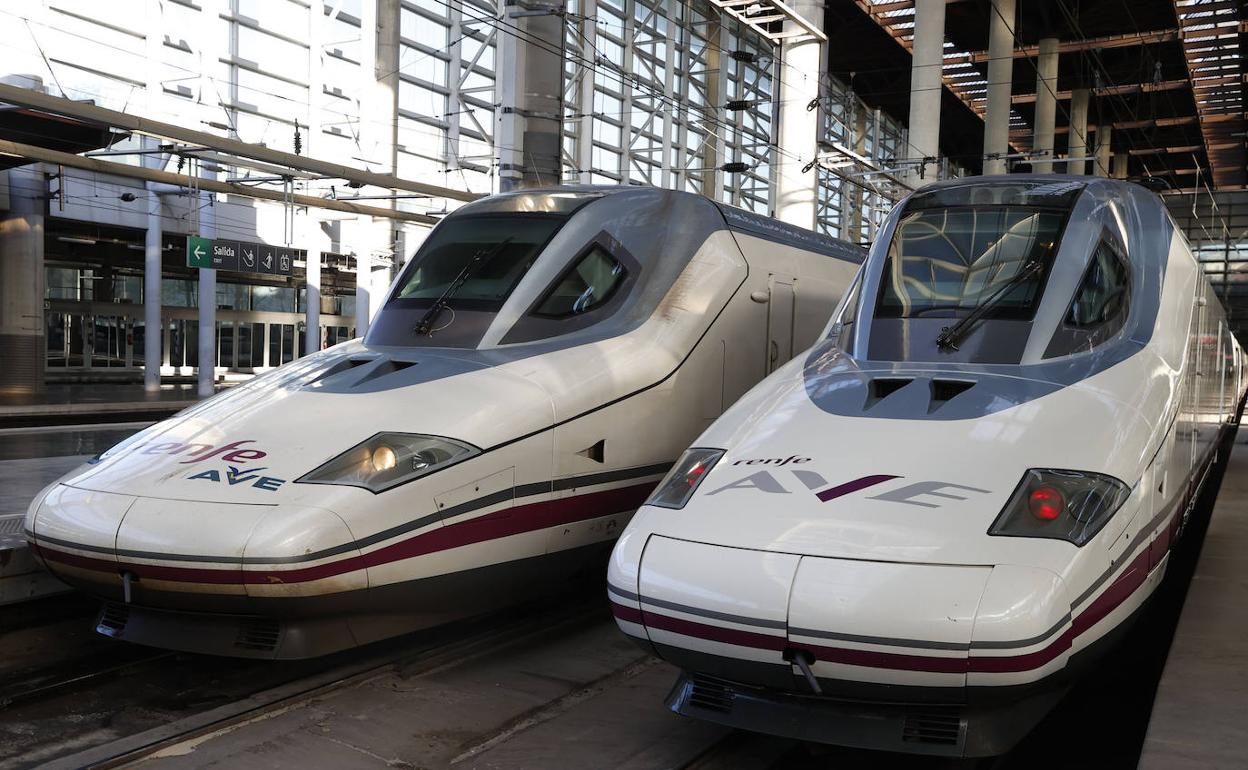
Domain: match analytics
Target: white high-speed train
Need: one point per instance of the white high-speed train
(534, 371)
(913, 535)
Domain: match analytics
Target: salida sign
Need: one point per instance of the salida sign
(240, 256)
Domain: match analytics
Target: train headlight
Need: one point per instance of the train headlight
(389, 459)
(1065, 505)
(683, 479)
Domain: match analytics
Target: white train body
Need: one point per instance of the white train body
(270, 521)
(873, 525)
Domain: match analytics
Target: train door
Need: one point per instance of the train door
(780, 309)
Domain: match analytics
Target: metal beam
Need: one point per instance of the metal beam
(89, 112)
(1087, 44)
(30, 152)
(1134, 88)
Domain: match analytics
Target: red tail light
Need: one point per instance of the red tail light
(1046, 503)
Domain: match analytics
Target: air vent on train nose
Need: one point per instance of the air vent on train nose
(339, 366)
(944, 391)
(389, 366)
(706, 693)
(258, 634)
(113, 619)
(883, 387)
(934, 728)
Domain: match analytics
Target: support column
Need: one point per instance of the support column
(207, 331)
(1000, 79)
(716, 88)
(23, 344)
(1104, 138)
(153, 253)
(584, 108)
(1046, 106)
(312, 288)
(1118, 165)
(926, 88)
(530, 111)
(797, 191)
(363, 274)
(1077, 136)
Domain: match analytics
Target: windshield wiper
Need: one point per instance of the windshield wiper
(951, 336)
(425, 324)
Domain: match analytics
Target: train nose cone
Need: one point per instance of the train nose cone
(193, 555)
(750, 615)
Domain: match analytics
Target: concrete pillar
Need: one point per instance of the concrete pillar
(926, 87)
(363, 274)
(22, 332)
(584, 107)
(797, 191)
(207, 322)
(1077, 136)
(1104, 138)
(312, 297)
(207, 327)
(716, 88)
(153, 256)
(1046, 106)
(1119, 165)
(1000, 79)
(385, 96)
(530, 95)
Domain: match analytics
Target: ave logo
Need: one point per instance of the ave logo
(234, 475)
(920, 493)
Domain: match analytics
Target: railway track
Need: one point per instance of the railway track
(216, 701)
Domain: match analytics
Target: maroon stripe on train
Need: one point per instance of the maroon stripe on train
(714, 633)
(491, 526)
(624, 612)
(1111, 598)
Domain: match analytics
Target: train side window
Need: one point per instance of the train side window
(1099, 308)
(588, 284)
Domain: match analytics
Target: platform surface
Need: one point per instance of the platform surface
(97, 399)
(589, 699)
(1200, 713)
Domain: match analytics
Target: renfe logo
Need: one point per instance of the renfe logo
(764, 481)
(196, 452)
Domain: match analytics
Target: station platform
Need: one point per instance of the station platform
(1198, 713)
(30, 459)
(61, 404)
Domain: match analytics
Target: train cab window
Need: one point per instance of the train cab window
(485, 255)
(944, 262)
(588, 284)
(963, 282)
(1100, 305)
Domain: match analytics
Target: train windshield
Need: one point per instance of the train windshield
(965, 271)
(945, 262)
(485, 255)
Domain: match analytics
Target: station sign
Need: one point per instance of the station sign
(240, 256)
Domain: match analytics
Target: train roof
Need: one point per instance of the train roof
(567, 199)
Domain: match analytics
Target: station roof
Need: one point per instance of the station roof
(55, 132)
(1167, 75)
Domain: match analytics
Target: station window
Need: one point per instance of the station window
(587, 285)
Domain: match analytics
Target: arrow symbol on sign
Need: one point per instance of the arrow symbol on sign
(198, 252)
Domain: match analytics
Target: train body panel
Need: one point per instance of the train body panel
(532, 374)
(962, 493)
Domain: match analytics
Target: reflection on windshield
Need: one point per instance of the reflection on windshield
(511, 244)
(952, 259)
